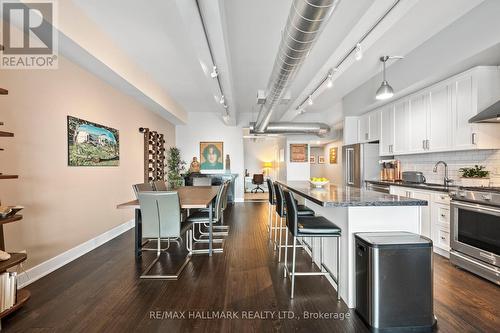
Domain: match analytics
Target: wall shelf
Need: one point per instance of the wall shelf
(6, 134)
(11, 219)
(9, 176)
(22, 297)
(15, 259)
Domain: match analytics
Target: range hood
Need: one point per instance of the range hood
(489, 115)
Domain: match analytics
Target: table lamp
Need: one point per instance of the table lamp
(267, 166)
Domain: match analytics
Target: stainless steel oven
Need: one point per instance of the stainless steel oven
(475, 233)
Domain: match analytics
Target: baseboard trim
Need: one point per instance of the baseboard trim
(37, 272)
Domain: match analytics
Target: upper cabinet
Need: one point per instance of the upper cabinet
(436, 118)
(369, 127)
(386, 145)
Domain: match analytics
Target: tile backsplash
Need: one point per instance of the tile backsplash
(455, 160)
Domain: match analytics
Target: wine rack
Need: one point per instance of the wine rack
(154, 155)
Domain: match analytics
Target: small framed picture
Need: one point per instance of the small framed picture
(333, 155)
(321, 159)
(312, 159)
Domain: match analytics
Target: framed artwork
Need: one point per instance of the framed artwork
(298, 153)
(91, 144)
(321, 159)
(312, 159)
(333, 155)
(211, 155)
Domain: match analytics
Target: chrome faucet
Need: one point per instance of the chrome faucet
(447, 181)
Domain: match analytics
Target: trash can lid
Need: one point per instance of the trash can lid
(394, 238)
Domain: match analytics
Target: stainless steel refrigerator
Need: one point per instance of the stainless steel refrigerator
(360, 163)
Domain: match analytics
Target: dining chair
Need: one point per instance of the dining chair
(142, 188)
(161, 220)
(160, 185)
(202, 217)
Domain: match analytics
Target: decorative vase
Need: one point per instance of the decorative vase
(228, 164)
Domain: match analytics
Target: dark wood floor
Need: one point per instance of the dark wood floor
(101, 292)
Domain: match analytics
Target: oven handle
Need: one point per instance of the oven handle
(475, 207)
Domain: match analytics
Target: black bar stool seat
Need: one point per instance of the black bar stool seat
(317, 226)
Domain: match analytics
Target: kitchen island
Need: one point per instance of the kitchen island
(354, 210)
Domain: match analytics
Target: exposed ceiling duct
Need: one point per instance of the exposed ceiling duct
(305, 22)
(318, 129)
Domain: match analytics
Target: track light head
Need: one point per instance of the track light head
(358, 52)
(310, 100)
(214, 72)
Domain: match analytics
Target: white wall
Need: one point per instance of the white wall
(333, 171)
(206, 126)
(297, 171)
(256, 152)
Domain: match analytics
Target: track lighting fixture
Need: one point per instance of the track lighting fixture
(358, 52)
(222, 101)
(329, 83)
(310, 100)
(214, 73)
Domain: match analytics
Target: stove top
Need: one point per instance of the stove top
(479, 189)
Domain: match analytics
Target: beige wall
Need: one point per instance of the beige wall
(66, 206)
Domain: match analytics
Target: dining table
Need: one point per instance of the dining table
(190, 197)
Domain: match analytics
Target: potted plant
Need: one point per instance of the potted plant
(476, 176)
(175, 167)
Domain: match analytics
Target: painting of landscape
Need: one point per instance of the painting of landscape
(91, 144)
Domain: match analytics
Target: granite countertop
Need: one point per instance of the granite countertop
(423, 186)
(332, 195)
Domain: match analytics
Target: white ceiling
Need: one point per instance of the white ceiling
(155, 35)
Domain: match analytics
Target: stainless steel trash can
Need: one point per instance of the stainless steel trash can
(394, 287)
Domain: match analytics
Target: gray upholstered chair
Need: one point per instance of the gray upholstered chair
(160, 185)
(142, 188)
(202, 218)
(202, 181)
(161, 220)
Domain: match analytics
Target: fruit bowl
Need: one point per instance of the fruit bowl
(318, 182)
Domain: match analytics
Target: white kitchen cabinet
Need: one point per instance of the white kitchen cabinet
(435, 217)
(418, 110)
(401, 127)
(350, 131)
(386, 144)
(439, 120)
(369, 127)
(363, 128)
(374, 125)
(463, 135)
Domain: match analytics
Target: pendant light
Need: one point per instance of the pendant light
(385, 91)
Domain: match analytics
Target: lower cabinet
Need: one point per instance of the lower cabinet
(435, 219)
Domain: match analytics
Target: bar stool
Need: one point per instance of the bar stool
(271, 204)
(281, 211)
(315, 226)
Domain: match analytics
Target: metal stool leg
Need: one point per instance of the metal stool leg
(321, 253)
(281, 237)
(338, 268)
(286, 255)
(293, 265)
(276, 230)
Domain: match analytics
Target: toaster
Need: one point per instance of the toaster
(413, 177)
